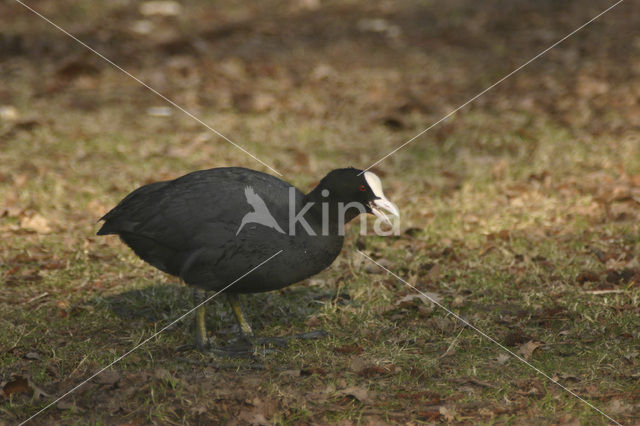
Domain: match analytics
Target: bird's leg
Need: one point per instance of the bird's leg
(245, 328)
(202, 341)
(245, 346)
(244, 350)
(249, 337)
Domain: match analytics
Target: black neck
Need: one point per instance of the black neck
(327, 207)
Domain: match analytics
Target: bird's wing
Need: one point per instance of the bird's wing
(201, 208)
(178, 214)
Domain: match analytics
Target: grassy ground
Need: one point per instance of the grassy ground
(520, 213)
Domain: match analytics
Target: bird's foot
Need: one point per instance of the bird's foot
(247, 346)
(243, 346)
(235, 349)
(239, 347)
(284, 340)
(200, 345)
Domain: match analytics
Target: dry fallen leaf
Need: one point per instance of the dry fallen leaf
(66, 404)
(528, 348)
(618, 407)
(35, 223)
(33, 355)
(160, 8)
(8, 113)
(373, 371)
(361, 394)
(313, 370)
(434, 273)
(290, 373)
(515, 338)
(409, 299)
(485, 412)
(472, 381)
(17, 385)
(372, 268)
(109, 378)
(348, 349)
(502, 358)
(458, 302)
(198, 409)
(63, 304)
(423, 304)
(444, 325)
(357, 363)
(449, 414)
(429, 415)
(313, 321)
(97, 208)
(427, 397)
(251, 417)
(588, 86)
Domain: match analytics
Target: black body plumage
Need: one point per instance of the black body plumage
(187, 227)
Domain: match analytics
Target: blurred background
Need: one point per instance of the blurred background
(312, 85)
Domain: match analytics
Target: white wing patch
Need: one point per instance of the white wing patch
(374, 183)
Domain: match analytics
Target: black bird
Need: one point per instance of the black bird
(261, 213)
(211, 227)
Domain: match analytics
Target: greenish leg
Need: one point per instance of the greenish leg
(247, 341)
(202, 341)
(234, 301)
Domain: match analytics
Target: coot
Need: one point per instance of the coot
(211, 227)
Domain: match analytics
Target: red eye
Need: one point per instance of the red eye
(363, 188)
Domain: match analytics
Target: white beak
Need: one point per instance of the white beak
(386, 205)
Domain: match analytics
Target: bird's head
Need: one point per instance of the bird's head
(362, 188)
